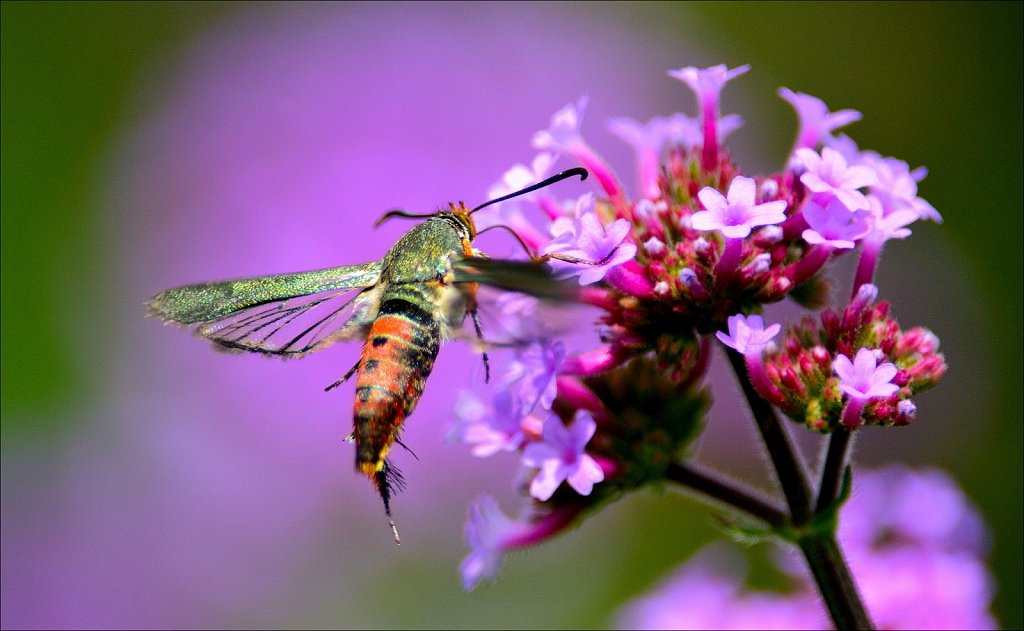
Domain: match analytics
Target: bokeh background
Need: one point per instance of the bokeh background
(148, 481)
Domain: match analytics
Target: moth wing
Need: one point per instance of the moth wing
(286, 315)
(519, 302)
(528, 277)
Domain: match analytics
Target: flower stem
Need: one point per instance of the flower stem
(726, 492)
(835, 582)
(787, 467)
(832, 471)
(819, 547)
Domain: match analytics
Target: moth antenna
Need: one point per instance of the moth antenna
(401, 213)
(558, 177)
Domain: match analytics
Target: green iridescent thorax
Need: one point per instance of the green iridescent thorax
(423, 253)
(416, 266)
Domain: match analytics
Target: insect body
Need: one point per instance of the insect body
(403, 306)
(418, 306)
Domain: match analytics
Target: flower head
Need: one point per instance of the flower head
(864, 377)
(532, 374)
(748, 335)
(896, 186)
(809, 373)
(829, 174)
(707, 84)
(563, 136)
(584, 247)
(834, 225)
(738, 213)
(816, 122)
(625, 411)
(489, 534)
(561, 456)
(500, 428)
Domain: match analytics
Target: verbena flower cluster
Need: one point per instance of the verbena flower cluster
(697, 255)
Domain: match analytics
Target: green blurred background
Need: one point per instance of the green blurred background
(939, 84)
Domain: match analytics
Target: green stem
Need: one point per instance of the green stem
(832, 575)
(787, 467)
(819, 547)
(727, 492)
(832, 471)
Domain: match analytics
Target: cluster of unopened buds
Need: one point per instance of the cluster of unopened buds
(696, 256)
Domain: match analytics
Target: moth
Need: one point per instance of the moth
(402, 305)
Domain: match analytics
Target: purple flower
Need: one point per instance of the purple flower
(917, 547)
(648, 139)
(654, 246)
(846, 146)
(587, 240)
(707, 592)
(896, 187)
(531, 375)
(520, 176)
(891, 225)
(816, 122)
(829, 174)
(560, 456)
(834, 224)
(862, 378)
(489, 534)
(488, 430)
(748, 335)
(509, 212)
(708, 84)
(563, 136)
(736, 215)
(564, 131)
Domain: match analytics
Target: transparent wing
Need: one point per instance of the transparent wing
(284, 315)
(527, 277)
(519, 302)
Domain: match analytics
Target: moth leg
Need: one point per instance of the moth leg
(351, 371)
(406, 447)
(480, 335)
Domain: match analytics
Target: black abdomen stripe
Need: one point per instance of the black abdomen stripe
(410, 310)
